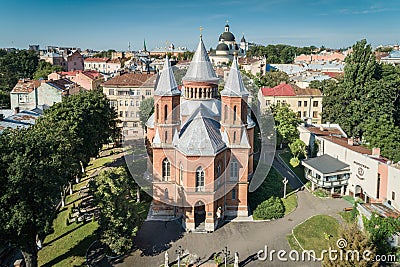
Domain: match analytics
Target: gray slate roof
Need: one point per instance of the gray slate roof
(201, 69)
(201, 136)
(326, 164)
(166, 85)
(234, 85)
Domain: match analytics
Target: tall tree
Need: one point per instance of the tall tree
(121, 216)
(145, 110)
(14, 66)
(44, 69)
(35, 163)
(358, 241)
(286, 122)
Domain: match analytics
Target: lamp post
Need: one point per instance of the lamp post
(285, 181)
(179, 251)
(226, 253)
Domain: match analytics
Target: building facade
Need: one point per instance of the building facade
(306, 103)
(354, 169)
(30, 94)
(102, 65)
(202, 148)
(125, 93)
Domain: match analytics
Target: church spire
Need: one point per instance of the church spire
(144, 45)
(166, 85)
(201, 69)
(234, 85)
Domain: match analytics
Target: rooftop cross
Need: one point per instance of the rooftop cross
(201, 31)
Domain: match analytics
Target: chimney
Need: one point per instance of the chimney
(350, 142)
(16, 110)
(376, 152)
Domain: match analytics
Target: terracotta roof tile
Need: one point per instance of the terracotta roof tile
(289, 90)
(26, 86)
(97, 59)
(132, 79)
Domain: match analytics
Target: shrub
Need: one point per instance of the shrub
(271, 208)
(294, 162)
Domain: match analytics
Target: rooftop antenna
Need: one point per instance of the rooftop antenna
(129, 47)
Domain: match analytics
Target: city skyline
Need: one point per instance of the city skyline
(103, 25)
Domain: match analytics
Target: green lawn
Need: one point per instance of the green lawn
(311, 234)
(98, 163)
(67, 245)
(290, 202)
(299, 170)
(273, 186)
(293, 243)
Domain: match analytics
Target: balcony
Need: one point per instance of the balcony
(327, 183)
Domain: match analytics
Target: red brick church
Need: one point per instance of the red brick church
(202, 147)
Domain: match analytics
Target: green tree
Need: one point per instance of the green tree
(381, 229)
(321, 85)
(298, 149)
(90, 121)
(14, 66)
(271, 79)
(356, 241)
(107, 53)
(145, 110)
(121, 216)
(286, 122)
(33, 171)
(44, 69)
(35, 164)
(271, 208)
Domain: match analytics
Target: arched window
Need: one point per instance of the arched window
(219, 170)
(226, 112)
(191, 92)
(181, 173)
(234, 174)
(166, 193)
(234, 113)
(200, 92)
(166, 169)
(165, 113)
(233, 193)
(157, 113)
(199, 179)
(166, 136)
(234, 137)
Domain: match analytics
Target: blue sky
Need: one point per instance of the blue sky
(112, 24)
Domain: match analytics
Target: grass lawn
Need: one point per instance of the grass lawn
(67, 245)
(299, 170)
(311, 234)
(273, 186)
(293, 243)
(290, 202)
(98, 163)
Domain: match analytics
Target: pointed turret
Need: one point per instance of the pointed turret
(166, 85)
(201, 69)
(234, 85)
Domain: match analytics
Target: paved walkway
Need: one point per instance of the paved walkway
(247, 238)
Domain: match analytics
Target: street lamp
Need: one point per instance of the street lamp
(285, 181)
(179, 251)
(226, 253)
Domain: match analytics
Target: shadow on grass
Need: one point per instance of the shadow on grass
(64, 234)
(78, 250)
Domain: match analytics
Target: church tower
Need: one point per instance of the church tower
(166, 107)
